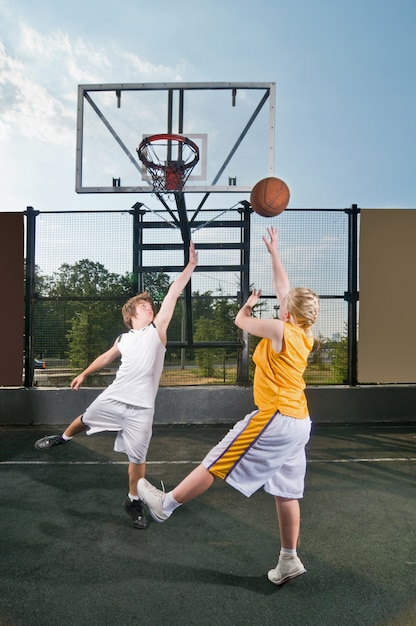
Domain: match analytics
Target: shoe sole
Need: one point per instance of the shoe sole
(154, 516)
(286, 578)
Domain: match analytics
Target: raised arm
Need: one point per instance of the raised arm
(260, 327)
(167, 308)
(281, 282)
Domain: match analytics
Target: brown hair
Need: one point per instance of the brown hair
(129, 308)
(303, 305)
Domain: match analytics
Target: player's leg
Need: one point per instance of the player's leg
(135, 472)
(288, 514)
(287, 486)
(99, 416)
(75, 427)
(133, 505)
(289, 564)
(162, 505)
(193, 485)
(134, 441)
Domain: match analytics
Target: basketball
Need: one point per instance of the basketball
(269, 197)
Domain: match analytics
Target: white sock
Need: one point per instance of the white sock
(132, 498)
(65, 437)
(288, 552)
(169, 503)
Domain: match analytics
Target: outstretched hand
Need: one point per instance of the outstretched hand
(77, 382)
(254, 297)
(193, 254)
(271, 244)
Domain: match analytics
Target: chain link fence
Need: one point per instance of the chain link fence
(86, 266)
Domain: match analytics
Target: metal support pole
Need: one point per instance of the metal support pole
(30, 295)
(243, 369)
(137, 213)
(186, 238)
(352, 295)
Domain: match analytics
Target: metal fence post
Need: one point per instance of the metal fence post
(243, 368)
(352, 295)
(137, 213)
(30, 295)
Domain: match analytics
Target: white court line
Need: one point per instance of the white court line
(95, 462)
(375, 460)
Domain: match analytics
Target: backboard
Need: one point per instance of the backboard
(233, 125)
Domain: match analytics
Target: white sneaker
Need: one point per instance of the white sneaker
(153, 498)
(285, 569)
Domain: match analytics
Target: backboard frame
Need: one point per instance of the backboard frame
(174, 124)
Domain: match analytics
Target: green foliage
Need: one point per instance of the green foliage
(328, 362)
(205, 357)
(85, 341)
(84, 296)
(157, 284)
(340, 359)
(78, 316)
(216, 323)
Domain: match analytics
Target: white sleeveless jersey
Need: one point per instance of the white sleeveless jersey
(137, 379)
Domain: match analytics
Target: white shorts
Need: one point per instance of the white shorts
(265, 449)
(133, 425)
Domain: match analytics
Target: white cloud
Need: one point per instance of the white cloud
(39, 81)
(137, 66)
(27, 106)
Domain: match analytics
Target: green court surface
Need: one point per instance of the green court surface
(71, 557)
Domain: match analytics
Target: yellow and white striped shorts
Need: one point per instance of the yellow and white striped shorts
(265, 449)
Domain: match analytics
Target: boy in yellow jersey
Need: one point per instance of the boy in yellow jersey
(267, 448)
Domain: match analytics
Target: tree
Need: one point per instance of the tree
(339, 353)
(205, 357)
(216, 324)
(85, 340)
(157, 284)
(88, 288)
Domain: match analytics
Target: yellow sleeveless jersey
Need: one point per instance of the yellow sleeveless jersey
(278, 378)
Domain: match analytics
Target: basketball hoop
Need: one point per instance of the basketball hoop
(169, 159)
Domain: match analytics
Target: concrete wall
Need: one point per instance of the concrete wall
(216, 405)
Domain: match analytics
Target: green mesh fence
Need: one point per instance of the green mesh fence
(84, 274)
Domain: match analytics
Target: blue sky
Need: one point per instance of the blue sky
(344, 74)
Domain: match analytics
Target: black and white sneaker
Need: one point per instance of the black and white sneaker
(49, 441)
(134, 508)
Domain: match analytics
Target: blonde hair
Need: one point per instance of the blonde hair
(129, 309)
(303, 306)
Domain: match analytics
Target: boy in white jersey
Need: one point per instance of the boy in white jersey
(127, 405)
